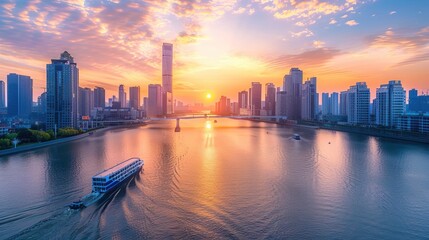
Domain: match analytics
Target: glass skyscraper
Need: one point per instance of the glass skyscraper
(62, 92)
(19, 95)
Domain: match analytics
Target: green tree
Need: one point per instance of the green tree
(5, 143)
(26, 136)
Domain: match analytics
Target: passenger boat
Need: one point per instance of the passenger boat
(108, 180)
(296, 137)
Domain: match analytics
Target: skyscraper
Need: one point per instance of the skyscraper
(19, 95)
(2, 94)
(390, 103)
(281, 103)
(270, 99)
(135, 97)
(62, 92)
(292, 86)
(334, 109)
(154, 100)
(122, 96)
(310, 99)
(86, 101)
(255, 99)
(358, 99)
(99, 97)
(343, 103)
(243, 99)
(326, 106)
(167, 77)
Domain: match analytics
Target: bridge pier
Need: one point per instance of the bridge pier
(177, 129)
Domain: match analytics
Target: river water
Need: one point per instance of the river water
(231, 179)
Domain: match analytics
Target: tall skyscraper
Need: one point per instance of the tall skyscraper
(86, 101)
(326, 104)
(154, 100)
(281, 103)
(292, 86)
(99, 97)
(135, 97)
(334, 108)
(122, 96)
(343, 103)
(310, 99)
(243, 99)
(62, 92)
(2, 94)
(358, 99)
(167, 77)
(19, 95)
(418, 103)
(223, 107)
(390, 103)
(270, 99)
(255, 99)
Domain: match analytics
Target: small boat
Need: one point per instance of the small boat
(215, 121)
(296, 137)
(77, 205)
(108, 180)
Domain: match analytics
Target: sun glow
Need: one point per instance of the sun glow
(208, 95)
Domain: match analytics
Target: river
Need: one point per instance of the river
(231, 179)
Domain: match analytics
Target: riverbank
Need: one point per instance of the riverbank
(33, 146)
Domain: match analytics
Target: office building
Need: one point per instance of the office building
(2, 94)
(292, 84)
(281, 104)
(389, 104)
(358, 99)
(243, 99)
(99, 97)
(270, 99)
(19, 95)
(418, 103)
(155, 96)
(343, 103)
(86, 101)
(255, 99)
(122, 96)
(62, 92)
(333, 104)
(135, 97)
(223, 106)
(326, 104)
(167, 77)
(310, 99)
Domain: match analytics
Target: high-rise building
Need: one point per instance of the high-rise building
(310, 99)
(223, 107)
(86, 101)
(270, 99)
(99, 97)
(413, 93)
(19, 95)
(334, 108)
(255, 99)
(326, 104)
(292, 86)
(343, 103)
(243, 99)
(418, 103)
(281, 103)
(62, 92)
(135, 97)
(122, 96)
(167, 77)
(2, 94)
(390, 104)
(154, 100)
(358, 99)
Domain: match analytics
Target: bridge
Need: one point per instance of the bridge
(205, 116)
(96, 123)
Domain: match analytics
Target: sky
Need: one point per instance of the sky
(220, 46)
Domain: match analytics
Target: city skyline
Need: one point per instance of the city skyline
(219, 47)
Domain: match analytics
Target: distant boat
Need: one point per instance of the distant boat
(107, 180)
(296, 137)
(215, 121)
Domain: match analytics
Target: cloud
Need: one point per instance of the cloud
(392, 12)
(316, 57)
(407, 40)
(333, 21)
(306, 33)
(352, 23)
(318, 44)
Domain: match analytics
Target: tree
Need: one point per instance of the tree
(4, 143)
(26, 136)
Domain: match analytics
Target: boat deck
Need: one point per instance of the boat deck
(116, 167)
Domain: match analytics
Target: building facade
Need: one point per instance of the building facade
(62, 85)
(292, 84)
(99, 97)
(19, 95)
(310, 99)
(2, 94)
(167, 77)
(255, 99)
(122, 96)
(86, 102)
(155, 95)
(358, 99)
(135, 97)
(389, 104)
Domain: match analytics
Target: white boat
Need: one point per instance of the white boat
(296, 137)
(108, 180)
